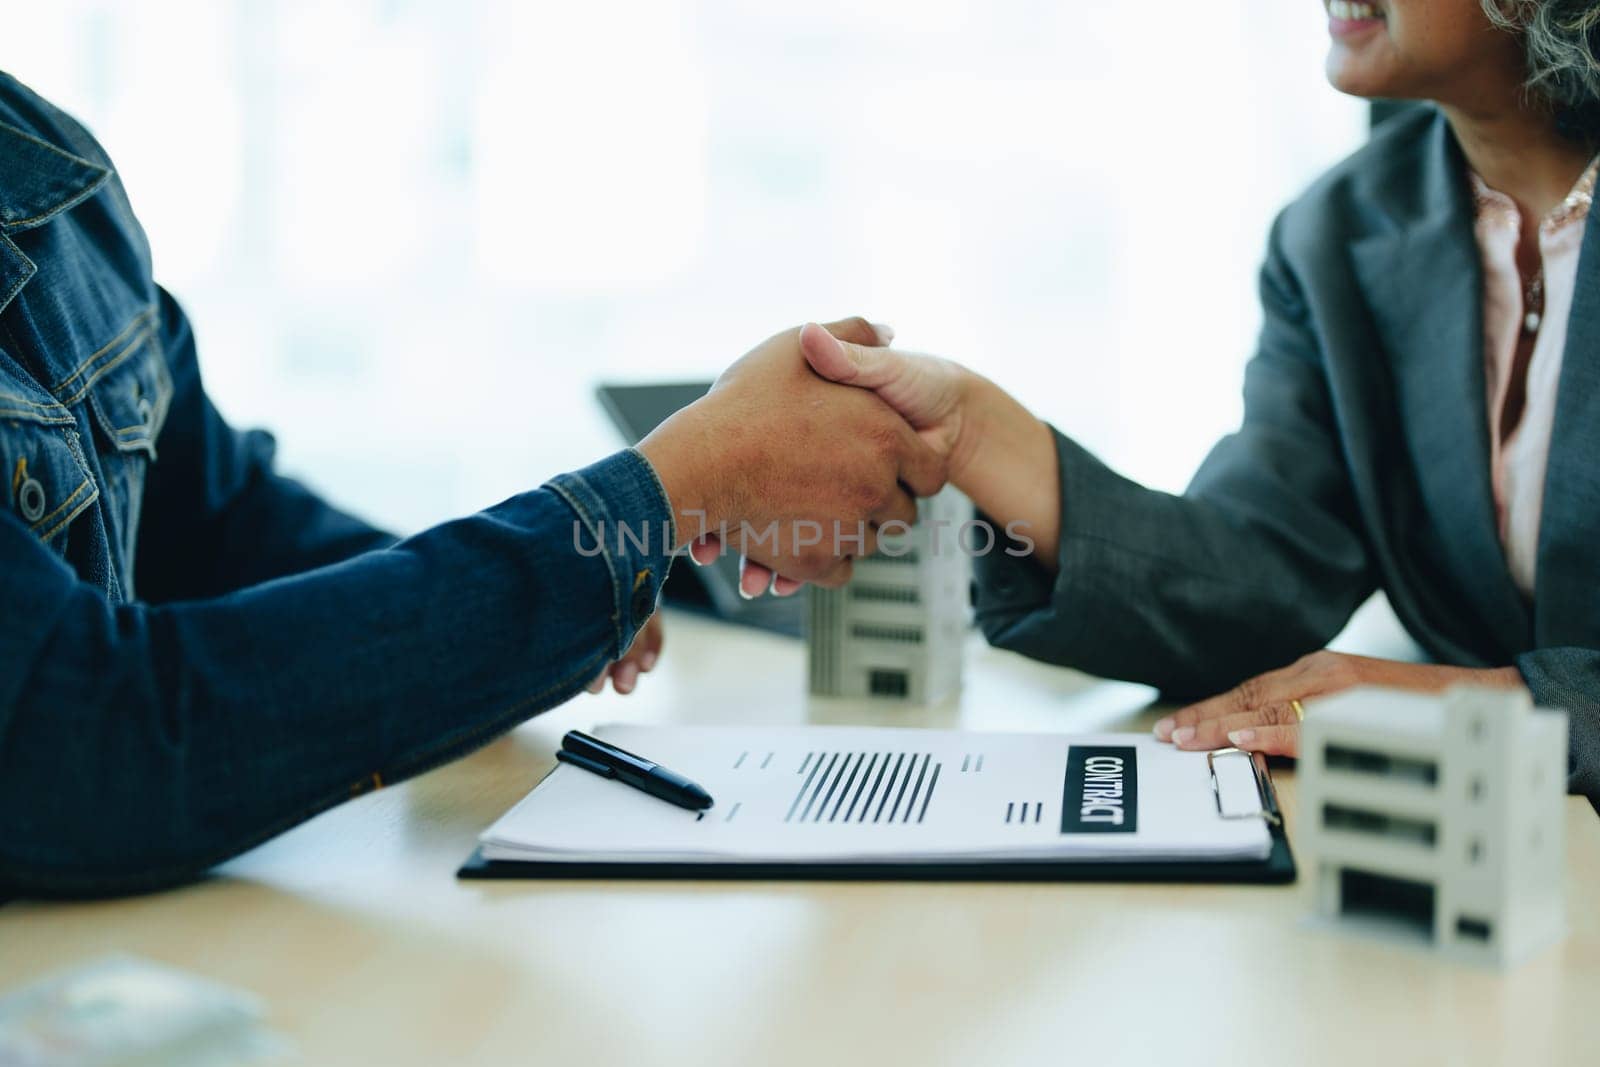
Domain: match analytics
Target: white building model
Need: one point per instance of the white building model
(896, 630)
(1443, 812)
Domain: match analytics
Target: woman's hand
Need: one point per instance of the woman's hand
(799, 466)
(930, 393)
(1259, 715)
(998, 453)
(829, 349)
(640, 657)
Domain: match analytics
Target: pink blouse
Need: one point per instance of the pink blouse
(1519, 445)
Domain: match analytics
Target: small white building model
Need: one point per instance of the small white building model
(1444, 813)
(896, 630)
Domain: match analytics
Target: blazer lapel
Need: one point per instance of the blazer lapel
(1567, 585)
(1422, 280)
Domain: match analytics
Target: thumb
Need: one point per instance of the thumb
(921, 388)
(860, 331)
(847, 363)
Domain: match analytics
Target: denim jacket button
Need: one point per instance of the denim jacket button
(30, 500)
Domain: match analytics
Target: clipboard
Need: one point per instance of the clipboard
(1277, 868)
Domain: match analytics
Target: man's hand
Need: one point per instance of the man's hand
(1258, 716)
(640, 657)
(930, 393)
(800, 471)
(997, 452)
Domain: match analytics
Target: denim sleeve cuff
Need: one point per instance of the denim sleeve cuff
(626, 522)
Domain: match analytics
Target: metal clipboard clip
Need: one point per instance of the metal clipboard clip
(1264, 790)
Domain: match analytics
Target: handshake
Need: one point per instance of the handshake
(807, 448)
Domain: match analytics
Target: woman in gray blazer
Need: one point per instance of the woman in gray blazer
(1422, 416)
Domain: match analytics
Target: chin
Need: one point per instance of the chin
(1351, 76)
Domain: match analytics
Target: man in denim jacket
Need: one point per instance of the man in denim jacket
(197, 653)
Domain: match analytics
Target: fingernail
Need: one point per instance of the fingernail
(1183, 735)
(884, 331)
(626, 676)
(710, 545)
(1163, 727)
(742, 593)
(598, 684)
(1240, 738)
(648, 660)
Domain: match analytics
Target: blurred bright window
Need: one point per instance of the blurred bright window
(413, 235)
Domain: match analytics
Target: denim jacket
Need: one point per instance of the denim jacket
(196, 652)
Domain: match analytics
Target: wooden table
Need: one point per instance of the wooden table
(367, 950)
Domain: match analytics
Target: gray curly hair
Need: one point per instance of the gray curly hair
(1561, 39)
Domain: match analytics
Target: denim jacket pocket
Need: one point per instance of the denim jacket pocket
(46, 483)
(129, 399)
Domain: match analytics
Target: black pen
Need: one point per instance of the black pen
(609, 761)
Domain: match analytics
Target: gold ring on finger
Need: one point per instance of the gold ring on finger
(1299, 710)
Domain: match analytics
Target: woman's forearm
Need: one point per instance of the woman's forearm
(998, 453)
(1005, 460)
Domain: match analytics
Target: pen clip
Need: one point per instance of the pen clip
(598, 751)
(586, 763)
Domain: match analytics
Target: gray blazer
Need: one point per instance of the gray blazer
(1362, 463)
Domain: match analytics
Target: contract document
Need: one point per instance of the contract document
(870, 795)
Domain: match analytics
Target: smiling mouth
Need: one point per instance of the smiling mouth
(1347, 11)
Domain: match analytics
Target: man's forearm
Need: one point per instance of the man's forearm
(169, 738)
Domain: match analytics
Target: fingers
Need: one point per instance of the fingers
(782, 586)
(705, 550)
(836, 575)
(857, 330)
(625, 675)
(1216, 733)
(1257, 715)
(655, 639)
(901, 507)
(929, 393)
(1270, 740)
(754, 578)
(1273, 688)
(847, 361)
(641, 657)
(758, 578)
(923, 470)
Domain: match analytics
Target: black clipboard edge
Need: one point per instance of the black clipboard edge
(1277, 869)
